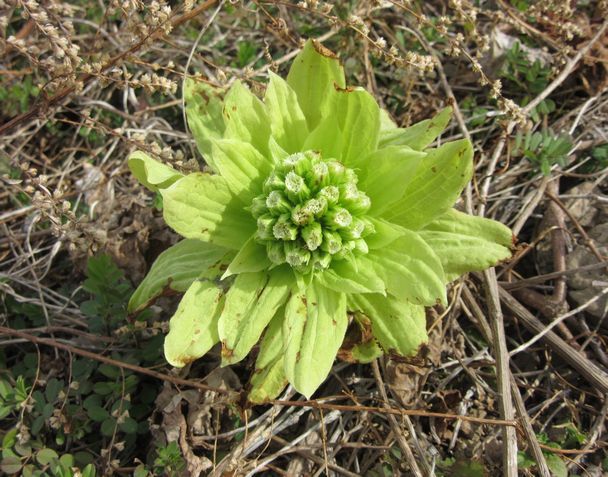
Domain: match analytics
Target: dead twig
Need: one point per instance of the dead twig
(397, 430)
(587, 369)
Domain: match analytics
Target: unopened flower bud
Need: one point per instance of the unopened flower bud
(275, 252)
(265, 227)
(258, 206)
(337, 218)
(331, 193)
(296, 255)
(273, 182)
(301, 215)
(284, 229)
(355, 230)
(313, 235)
(277, 203)
(295, 187)
(332, 242)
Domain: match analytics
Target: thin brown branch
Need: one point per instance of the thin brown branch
(113, 362)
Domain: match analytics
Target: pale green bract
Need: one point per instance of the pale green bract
(319, 214)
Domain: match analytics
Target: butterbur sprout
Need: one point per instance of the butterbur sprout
(319, 212)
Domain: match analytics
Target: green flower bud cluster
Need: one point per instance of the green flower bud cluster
(311, 212)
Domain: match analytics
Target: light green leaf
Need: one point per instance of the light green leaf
(457, 222)
(399, 326)
(556, 465)
(193, 327)
(251, 258)
(314, 75)
(287, 121)
(358, 118)
(325, 138)
(269, 378)
(465, 243)
(246, 117)
(153, 175)
(385, 233)
(386, 123)
(276, 152)
(251, 303)
(385, 173)
(410, 269)
(204, 104)
(175, 269)
(438, 182)
(200, 206)
(366, 352)
(418, 136)
(350, 130)
(346, 277)
(314, 328)
(242, 166)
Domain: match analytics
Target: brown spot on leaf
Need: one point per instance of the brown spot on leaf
(434, 169)
(326, 52)
(226, 352)
(298, 357)
(348, 89)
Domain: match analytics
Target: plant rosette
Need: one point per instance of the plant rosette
(319, 213)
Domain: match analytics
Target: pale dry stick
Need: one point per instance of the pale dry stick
(332, 416)
(556, 322)
(585, 367)
(401, 440)
(582, 112)
(484, 327)
(530, 207)
(260, 436)
(503, 372)
(318, 460)
(588, 241)
(526, 282)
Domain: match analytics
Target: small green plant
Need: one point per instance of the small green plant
(599, 160)
(320, 208)
(18, 97)
(246, 52)
(106, 282)
(528, 77)
(543, 149)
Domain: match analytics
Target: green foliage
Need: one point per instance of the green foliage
(106, 282)
(99, 403)
(12, 396)
(599, 160)
(246, 53)
(543, 149)
(18, 97)
(319, 205)
(572, 439)
(529, 78)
